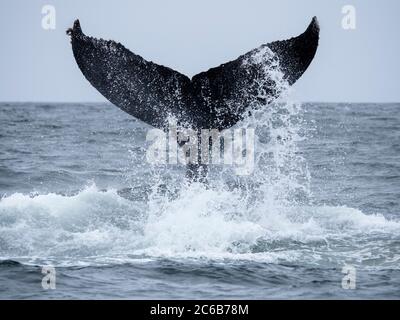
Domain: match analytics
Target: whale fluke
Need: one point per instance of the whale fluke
(214, 99)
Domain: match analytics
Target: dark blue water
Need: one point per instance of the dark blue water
(77, 194)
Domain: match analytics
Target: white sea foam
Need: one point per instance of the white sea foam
(101, 227)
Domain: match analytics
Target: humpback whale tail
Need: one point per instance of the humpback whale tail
(217, 98)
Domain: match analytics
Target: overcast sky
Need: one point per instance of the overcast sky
(360, 65)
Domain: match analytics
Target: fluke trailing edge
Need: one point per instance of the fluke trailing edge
(214, 99)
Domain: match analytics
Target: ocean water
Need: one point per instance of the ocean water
(76, 193)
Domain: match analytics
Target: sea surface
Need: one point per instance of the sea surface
(318, 218)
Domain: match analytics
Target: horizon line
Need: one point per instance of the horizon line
(108, 102)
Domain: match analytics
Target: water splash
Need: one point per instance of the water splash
(267, 216)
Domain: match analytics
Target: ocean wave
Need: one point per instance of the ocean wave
(101, 227)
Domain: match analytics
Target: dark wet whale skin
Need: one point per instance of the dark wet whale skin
(213, 99)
